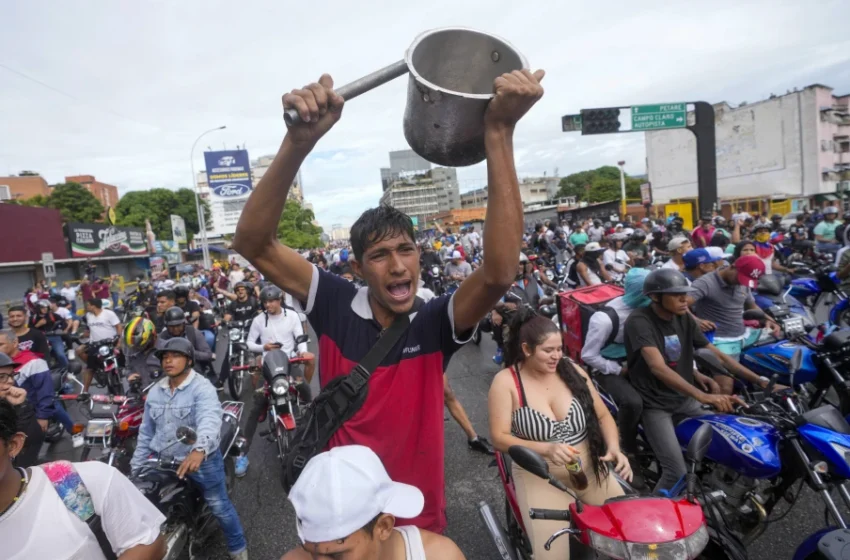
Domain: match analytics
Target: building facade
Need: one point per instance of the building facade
(402, 162)
(424, 194)
(340, 233)
(532, 190)
(23, 188)
(792, 146)
(107, 194)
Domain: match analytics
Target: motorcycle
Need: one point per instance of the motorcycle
(108, 372)
(770, 292)
(285, 403)
(823, 365)
(823, 288)
(189, 522)
(434, 280)
(631, 526)
(763, 451)
(220, 304)
(61, 379)
(238, 355)
(113, 425)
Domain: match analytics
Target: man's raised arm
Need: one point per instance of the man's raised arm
(515, 93)
(256, 234)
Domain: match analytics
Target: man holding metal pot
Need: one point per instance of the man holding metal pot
(401, 418)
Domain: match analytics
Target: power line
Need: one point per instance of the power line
(73, 97)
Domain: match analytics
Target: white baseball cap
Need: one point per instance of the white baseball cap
(716, 252)
(341, 490)
(456, 255)
(592, 246)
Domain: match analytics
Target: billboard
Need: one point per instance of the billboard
(178, 229)
(646, 194)
(228, 173)
(101, 240)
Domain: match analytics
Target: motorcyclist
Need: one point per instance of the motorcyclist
(637, 248)
(702, 234)
(660, 342)
(27, 420)
(185, 398)
(677, 247)
(140, 342)
(103, 324)
(165, 300)
(49, 323)
(596, 232)
(243, 306)
(589, 269)
(145, 296)
(457, 270)
(616, 257)
(430, 258)
(191, 308)
(277, 328)
(176, 327)
(776, 222)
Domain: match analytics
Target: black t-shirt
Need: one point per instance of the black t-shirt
(54, 322)
(675, 339)
(190, 308)
(34, 341)
(799, 232)
(243, 310)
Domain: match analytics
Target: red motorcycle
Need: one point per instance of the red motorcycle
(113, 425)
(626, 527)
(283, 393)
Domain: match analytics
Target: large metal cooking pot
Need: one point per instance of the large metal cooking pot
(452, 71)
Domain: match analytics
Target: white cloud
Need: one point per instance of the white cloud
(145, 79)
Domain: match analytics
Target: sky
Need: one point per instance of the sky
(121, 90)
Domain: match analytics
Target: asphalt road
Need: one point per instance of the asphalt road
(268, 518)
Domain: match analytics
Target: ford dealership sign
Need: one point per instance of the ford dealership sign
(228, 173)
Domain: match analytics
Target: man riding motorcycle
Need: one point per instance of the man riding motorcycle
(49, 323)
(140, 341)
(185, 398)
(191, 308)
(176, 327)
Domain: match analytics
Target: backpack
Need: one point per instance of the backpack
(575, 309)
(76, 497)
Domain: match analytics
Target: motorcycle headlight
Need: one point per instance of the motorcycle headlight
(435, 270)
(235, 335)
(549, 274)
(103, 351)
(98, 428)
(280, 386)
(682, 549)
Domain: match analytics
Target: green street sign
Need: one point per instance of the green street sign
(656, 117)
(571, 123)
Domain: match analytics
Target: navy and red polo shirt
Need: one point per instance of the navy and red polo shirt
(402, 418)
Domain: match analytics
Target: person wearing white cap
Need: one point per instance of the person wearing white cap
(457, 269)
(346, 506)
(589, 269)
(677, 246)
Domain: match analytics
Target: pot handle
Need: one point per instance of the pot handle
(357, 87)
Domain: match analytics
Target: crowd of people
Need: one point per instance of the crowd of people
(378, 490)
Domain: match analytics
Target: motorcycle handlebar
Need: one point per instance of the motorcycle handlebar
(549, 514)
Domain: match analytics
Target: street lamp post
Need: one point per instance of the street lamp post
(622, 190)
(202, 223)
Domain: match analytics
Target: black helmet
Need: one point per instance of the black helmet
(5, 361)
(246, 285)
(846, 216)
(174, 316)
(597, 222)
(270, 293)
(665, 281)
(776, 217)
(179, 345)
(144, 285)
(638, 235)
(181, 291)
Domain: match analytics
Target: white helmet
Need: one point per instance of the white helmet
(106, 303)
(522, 257)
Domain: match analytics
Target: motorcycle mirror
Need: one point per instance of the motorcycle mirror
(529, 460)
(706, 359)
(796, 361)
(187, 435)
(754, 315)
(698, 446)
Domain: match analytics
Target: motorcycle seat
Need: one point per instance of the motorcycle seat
(56, 377)
(837, 340)
(770, 285)
(828, 417)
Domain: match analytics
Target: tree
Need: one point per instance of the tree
(296, 229)
(157, 205)
(75, 203)
(27, 173)
(598, 185)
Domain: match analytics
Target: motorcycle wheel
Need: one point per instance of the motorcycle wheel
(116, 386)
(477, 337)
(234, 383)
(843, 319)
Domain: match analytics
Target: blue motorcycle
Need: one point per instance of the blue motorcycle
(766, 453)
(823, 365)
(823, 287)
(771, 292)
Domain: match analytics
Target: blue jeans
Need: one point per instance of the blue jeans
(57, 347)
(828, 247)
(210, 478)
(209, 336)
(61, 416)
(115, 299)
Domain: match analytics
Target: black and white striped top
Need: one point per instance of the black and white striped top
(533, 425)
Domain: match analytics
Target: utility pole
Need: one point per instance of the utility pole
(622, 191)
(202, 223)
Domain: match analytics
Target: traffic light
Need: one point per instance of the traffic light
(600, 121)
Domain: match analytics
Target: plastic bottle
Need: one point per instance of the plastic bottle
(577, 474)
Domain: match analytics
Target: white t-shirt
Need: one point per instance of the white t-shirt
(610, 256)
(282, 328)
(476, 239)
(102, 327)
(236, 276)
(40, 526)
(69, 293)
(671, 264)
(64, 313)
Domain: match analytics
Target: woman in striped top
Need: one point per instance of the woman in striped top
(545, 402)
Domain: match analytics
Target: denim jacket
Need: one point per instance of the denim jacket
(194, 404)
